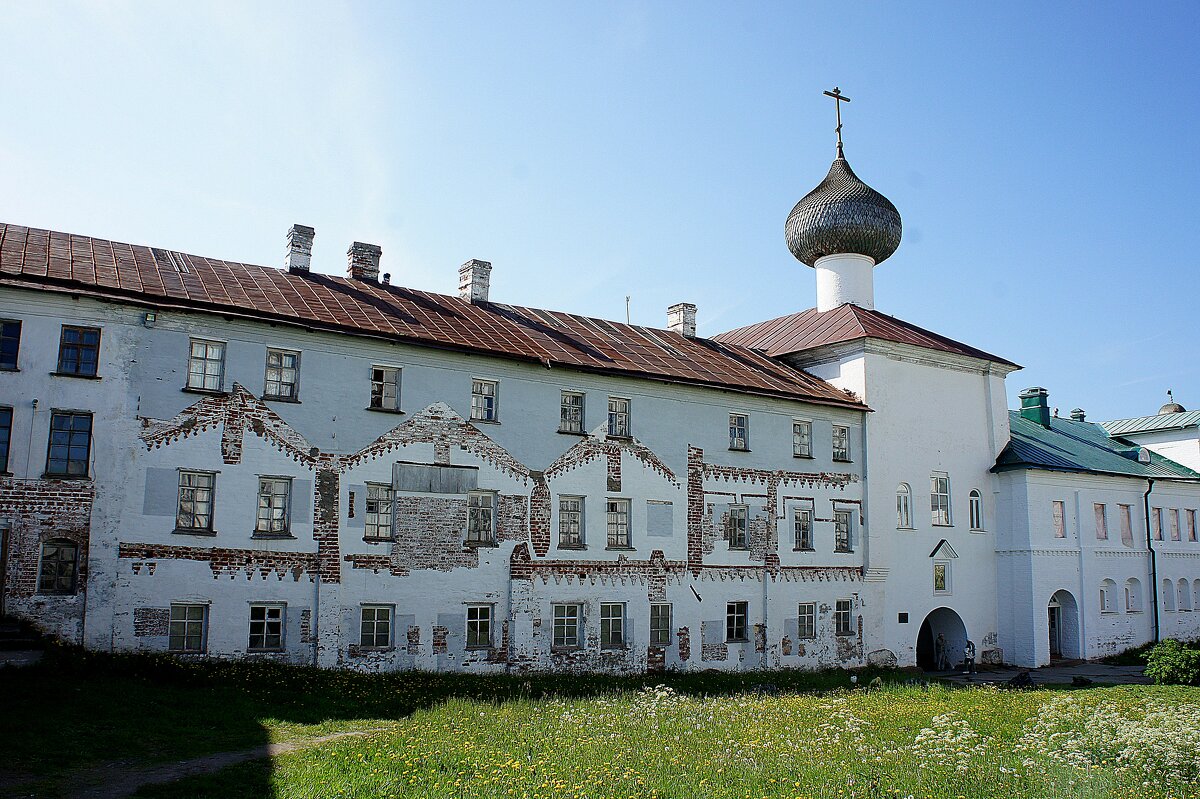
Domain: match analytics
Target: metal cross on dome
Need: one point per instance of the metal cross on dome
(838, 98)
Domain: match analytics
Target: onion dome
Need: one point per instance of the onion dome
(1172, 406)
(843, 215)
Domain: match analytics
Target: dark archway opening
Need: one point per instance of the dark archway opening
(949, 625)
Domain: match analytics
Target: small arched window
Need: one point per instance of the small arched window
(1108, 598)
(1168, 595)
(904, 507)
(1133, 595)
(1184, 595)
(59, 566)
(976, 509)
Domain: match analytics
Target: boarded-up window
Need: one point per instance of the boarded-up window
(1060, 522)
(1125, 513)
(1156, 523)
(660, 518)
(1174, 517)
(1101, 520)
(1191, 526)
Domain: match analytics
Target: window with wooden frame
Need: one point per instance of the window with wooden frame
(485, 399)
(385, 388)
(58, 567)
(70, 446)
(843, 530)
(801, 438)
(802, 522)
(196, 493)
(274, 507)
(570, 522)
(618, 417)
(375, 627)
(841, 443)
(377, 523)
(206, 365)
(481, 517)
(618, 523)
(266, 627)
(283, 375)
(10, 344)
(843, 617)
(739, 432)
(806, 623)
(188, 629)
(660, 624)
(939, 499)
(737, 527)
(479, 626)
(79, 351)
(566, 626)
(736, 627)
(612, 625)
(570, 412)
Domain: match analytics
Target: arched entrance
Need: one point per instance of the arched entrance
(1062, 626)
(949, 625)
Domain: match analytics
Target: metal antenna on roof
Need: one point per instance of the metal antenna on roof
(626, 309)
(838, 99)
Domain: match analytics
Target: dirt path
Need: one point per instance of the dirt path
(107, 782)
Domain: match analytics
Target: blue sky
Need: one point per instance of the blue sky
(1043, 156)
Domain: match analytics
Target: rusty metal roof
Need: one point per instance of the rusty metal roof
(812, 328)
(35, 258)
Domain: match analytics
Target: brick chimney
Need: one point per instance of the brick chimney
(474, 280)
(1035, 405)
(363, 261)
(299, 249)
(681, 319)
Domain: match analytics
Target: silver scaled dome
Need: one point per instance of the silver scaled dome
(843, 215)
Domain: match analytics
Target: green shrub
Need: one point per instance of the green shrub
(1171, 662)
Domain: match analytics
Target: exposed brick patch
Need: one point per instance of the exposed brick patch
(656, 659)
(499, 654)
(414, 639)
(227, 561)
(684, 636)
(439, 639)
(695, 508)
(785, 646)
(613, 470)
(39, 511)
(539, 515)
(151, 621)
(597, 445)
(512, 518)
(327, 492)
(306, 631)
(711, 652)
(760, 638)
(656, 570)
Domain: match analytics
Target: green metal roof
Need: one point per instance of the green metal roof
(1146, 424)
(1071, 446)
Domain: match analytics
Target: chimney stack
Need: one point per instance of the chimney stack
(363, 261)
(681, 319)
(1035, 405)
(1078, 415)
(474, 280)
(299, 249)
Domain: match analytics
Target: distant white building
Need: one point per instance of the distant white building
(207, 457)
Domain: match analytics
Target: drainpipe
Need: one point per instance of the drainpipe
(1153, 560)
(316, 615)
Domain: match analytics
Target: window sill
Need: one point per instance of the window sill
(620, 436)
(936, 524)
(563, 650)
(377, 539)
(9, 369)
(210, 392)
(908, 528)
(484, 421)
(273, 536)
(288, 400)
(737, 640)
(394, 411)
(804, 549)
(843, 551)
(614, 647)
(187, 652)
(739, 449)
(803, 457)
(574, 547)
(481, 544)
(55, 476)
(56, 593)
(580, 433)
(620, 549)
(478, 647)
(978, 530)
(732, 548)
(842, 460)
(844, 635)
(273, 651)
(191, 531)
(361, 648)
(72, 374)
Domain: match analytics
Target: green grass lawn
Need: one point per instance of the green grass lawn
(590, 737)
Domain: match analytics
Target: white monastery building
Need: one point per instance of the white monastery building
(215, 458)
